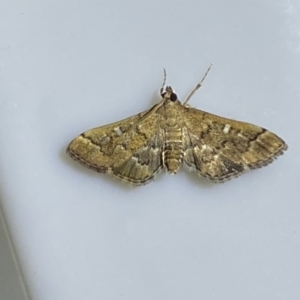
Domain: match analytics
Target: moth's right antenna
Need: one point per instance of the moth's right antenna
(197, 86)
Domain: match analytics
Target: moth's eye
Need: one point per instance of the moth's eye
(163, 94)
(173, 97)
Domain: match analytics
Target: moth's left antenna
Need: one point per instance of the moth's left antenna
(164, 82)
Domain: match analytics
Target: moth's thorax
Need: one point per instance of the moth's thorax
(172, 114)
(172, 124)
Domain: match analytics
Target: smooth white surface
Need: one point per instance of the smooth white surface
(68, 66)
(12, 283)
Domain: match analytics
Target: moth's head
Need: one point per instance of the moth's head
(169, 94)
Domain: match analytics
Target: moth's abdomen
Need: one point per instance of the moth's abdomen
(173, 153)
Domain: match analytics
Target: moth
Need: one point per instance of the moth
(170, 134)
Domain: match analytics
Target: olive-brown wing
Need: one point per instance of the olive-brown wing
(130, 149)
(219, 148)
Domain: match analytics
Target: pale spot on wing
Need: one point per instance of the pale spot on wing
(118, 131)
(246, 168)
(226, 128)
(206, 148)
(104, 140)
